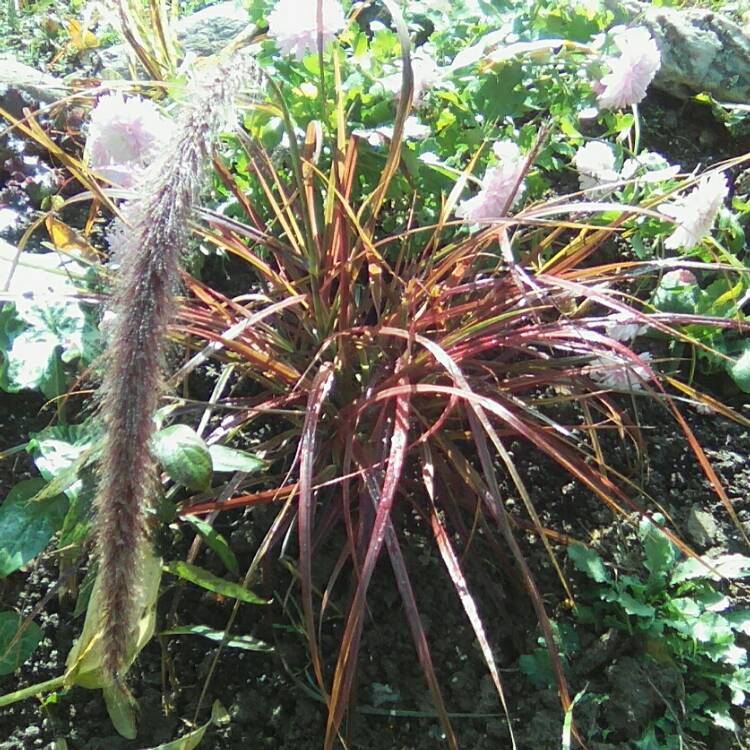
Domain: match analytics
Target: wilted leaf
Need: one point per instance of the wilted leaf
(209, 581)
(27, 525)
(15, 649)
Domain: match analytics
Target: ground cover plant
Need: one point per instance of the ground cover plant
(409, 291)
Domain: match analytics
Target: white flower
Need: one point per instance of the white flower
(125, 135)
(632, 72)
(695, 212)
(501, 186)
(618, 373)
(595, 163)
(294, 25)
(426, 75)
(623, 327)
(648, 166)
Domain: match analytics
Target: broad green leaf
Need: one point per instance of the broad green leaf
(739, 619)
(27, 524)
(711, 628)
(719, 713)
(184, 456)
(121, 709)
(232, 459)
(739, 370)
(630, 604)
(537, 668)
(15, 648)
(216, 542)
(58, 451)
(84, 662)
(731, 566)
(246, 642)
(209, 581)
(660, 552)
(588, 562)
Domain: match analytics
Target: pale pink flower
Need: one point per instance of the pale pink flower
(595, 163)
(623, 327)
(501, 186)
(125, 136)
(620, 374)
(294, 25)
(695, 212)
(632, 72)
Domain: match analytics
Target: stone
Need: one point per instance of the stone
(22, 86)
(201, 34)
(702, 527)
(701, 51)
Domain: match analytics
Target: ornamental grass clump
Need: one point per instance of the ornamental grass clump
(406, 335)
(417, 303)
(149, 242)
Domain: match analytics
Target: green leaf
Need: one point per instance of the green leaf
(206, 580)
(191, 740)
(15, 648)
(731, 566)
(60, 452)
(232, 459)
(246, 642)
(54, 330)
(537, 668)
(739, 619)
(184, 456)
(711, 628)
(630, 604)
(719, 713)
(216, 542)
(27, 524)
(121, 710)
(588, 562)
(739, 370)
(648, 741)
(660, 552)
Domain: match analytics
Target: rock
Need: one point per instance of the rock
(701, 51)
(22, 86)
(702, 527)
(203, 33)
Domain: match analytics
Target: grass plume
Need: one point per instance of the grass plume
(149, 243)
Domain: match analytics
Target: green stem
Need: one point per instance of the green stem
(636, 130)
(32, 690)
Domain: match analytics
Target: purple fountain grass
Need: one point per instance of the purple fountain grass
(149, 244)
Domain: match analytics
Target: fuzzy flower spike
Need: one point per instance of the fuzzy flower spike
(695, 212)
(632, 72)
(294, 24)
(149, 244)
